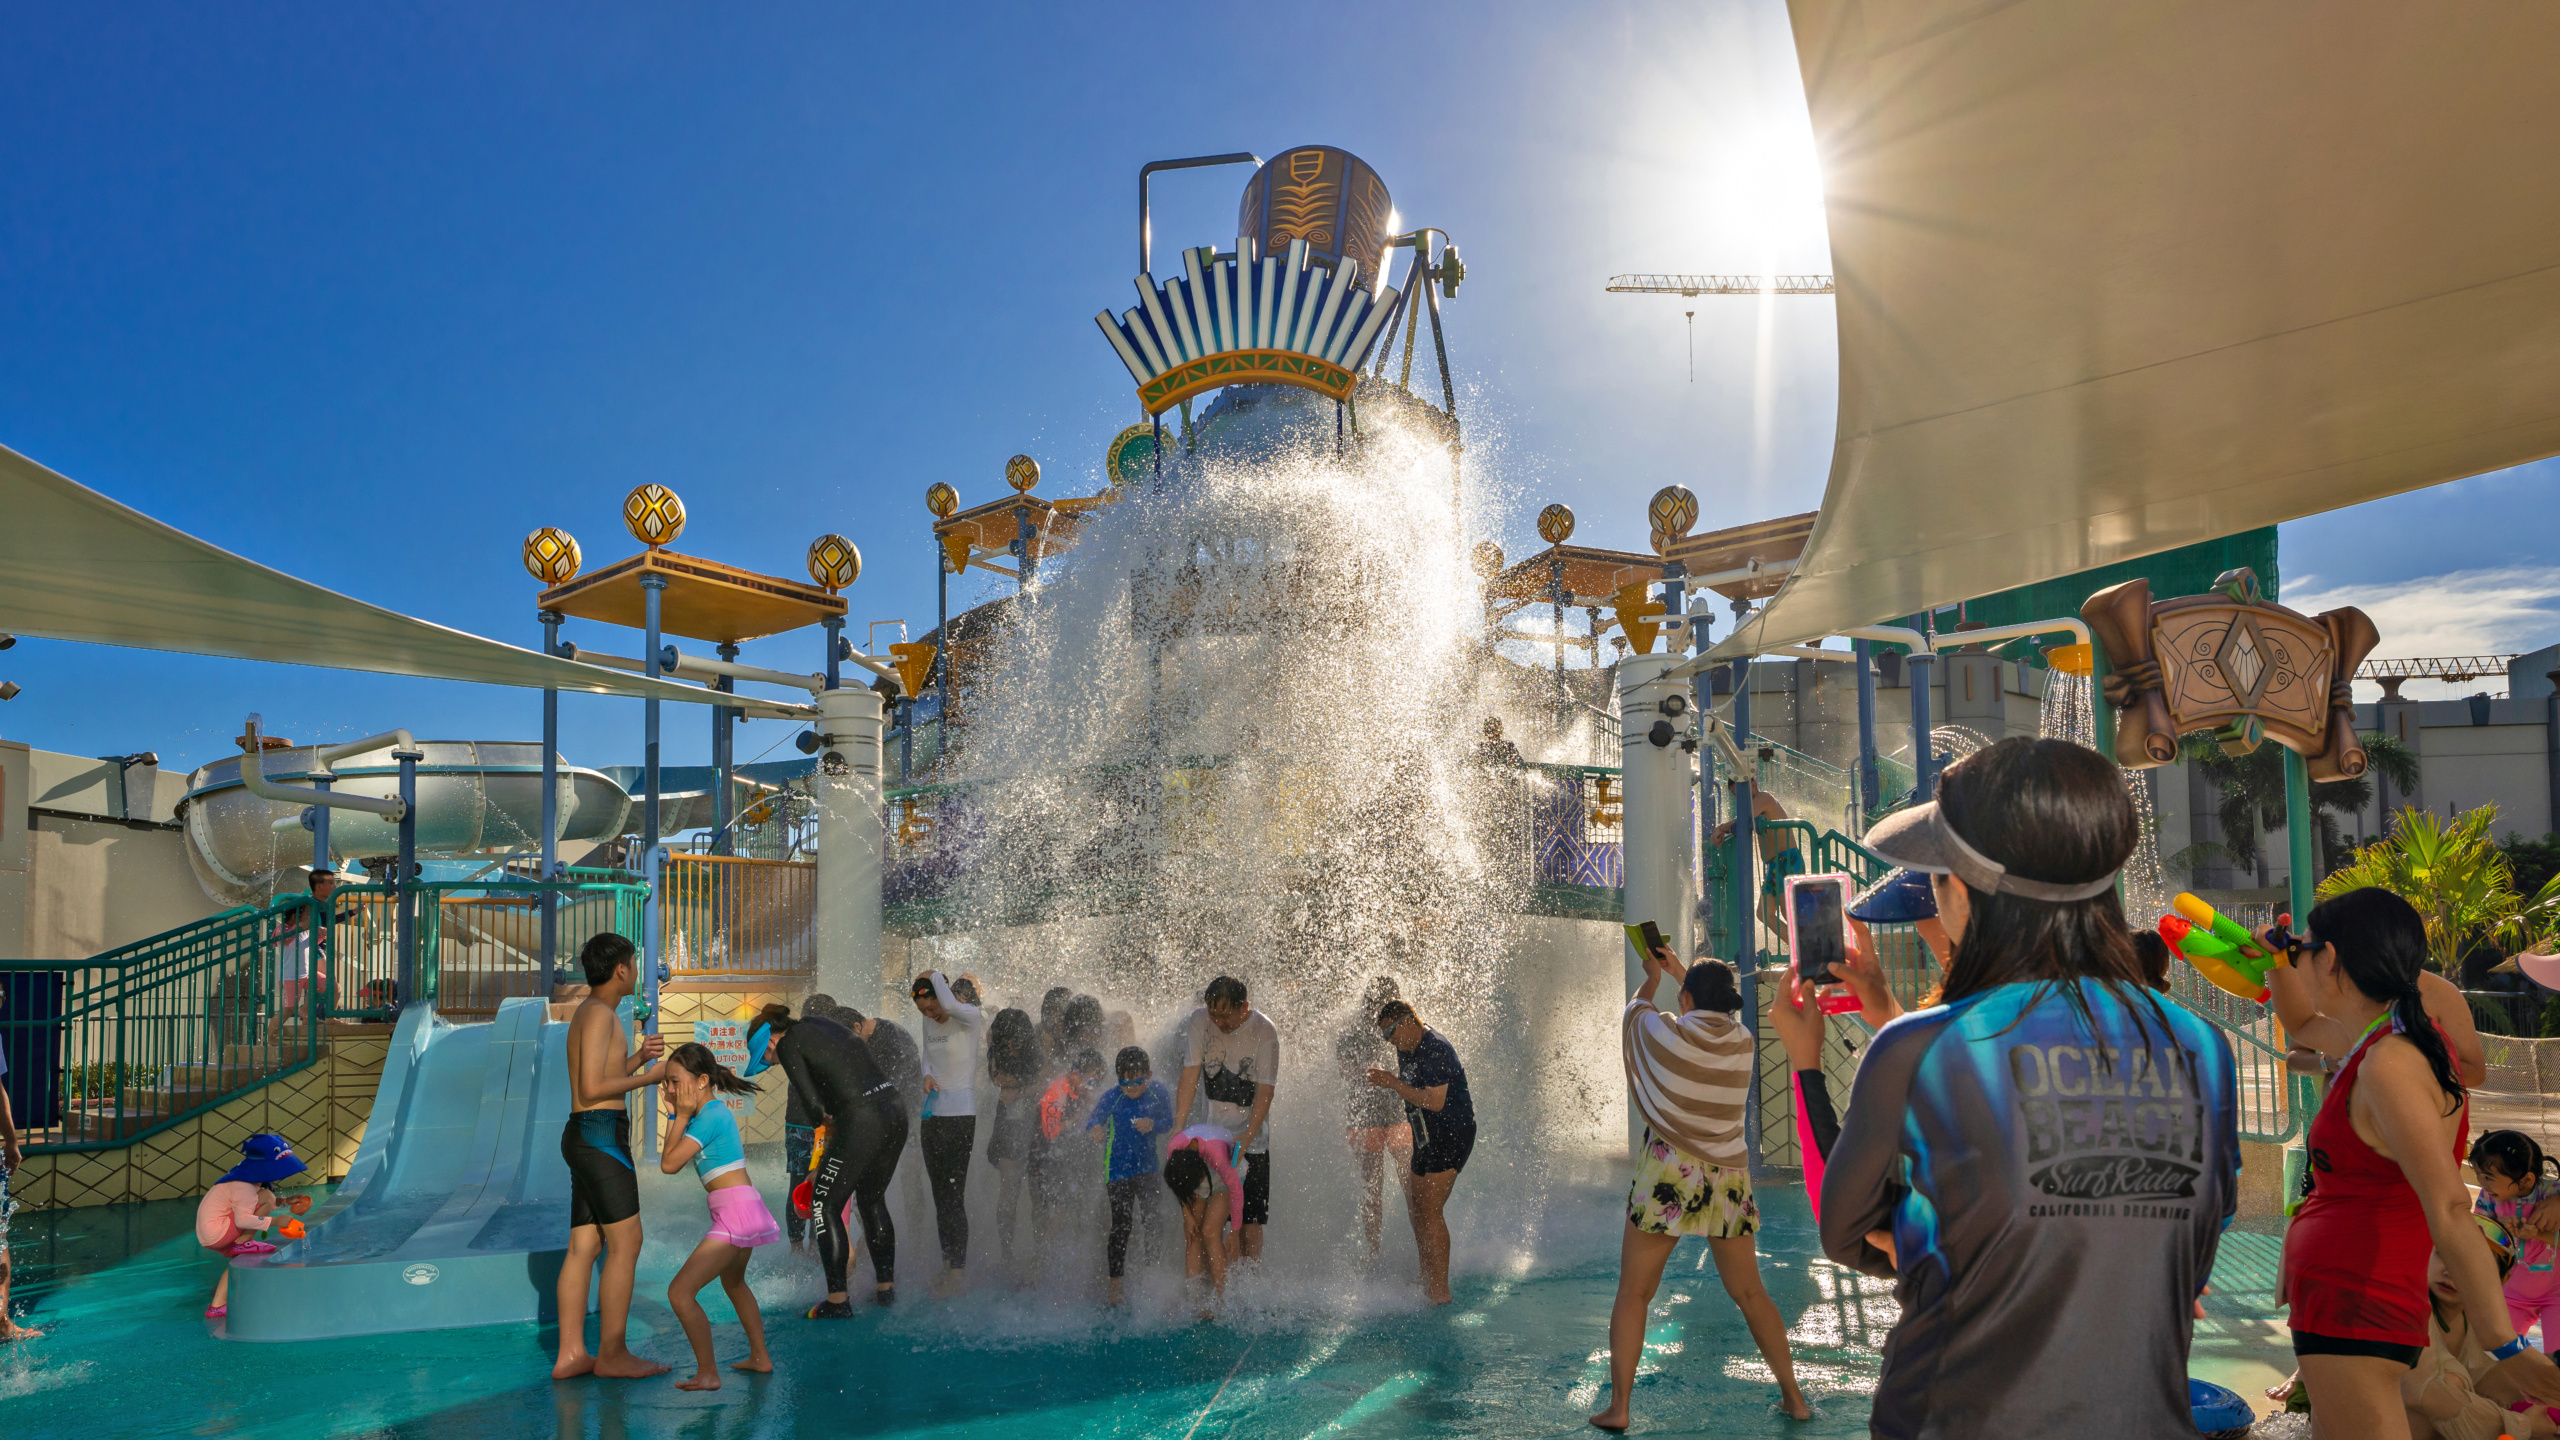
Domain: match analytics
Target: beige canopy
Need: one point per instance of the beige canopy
(75, 565)
(2117, 278)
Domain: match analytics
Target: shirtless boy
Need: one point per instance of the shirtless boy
(604, 1185)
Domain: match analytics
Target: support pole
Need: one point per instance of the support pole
(847, 789)
(1869, 781)
(835, 649)
(550, 867)
(1702, 695)
(404, 902)
(2301, 833)
(1746, 918)
(724, 758)
(652, 592)
(1924, 747)
(653, 968)
(942, 654)
(1654, 800)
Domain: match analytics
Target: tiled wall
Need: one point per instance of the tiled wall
(320, 1111)
(682, 1002)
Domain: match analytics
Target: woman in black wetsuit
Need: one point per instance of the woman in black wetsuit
(866, 1124)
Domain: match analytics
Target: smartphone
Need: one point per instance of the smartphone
(1818, 926)
(1646, 937)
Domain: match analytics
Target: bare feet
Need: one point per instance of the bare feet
(1442, 1298)
(1117, 1295)
(627, 1366)
(701, 1380)
(1613, 1418)
(573, 1363)
(1795, 1406)
(760, 1364)
(12, 1330)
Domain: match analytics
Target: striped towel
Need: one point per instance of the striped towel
(1688, 1073)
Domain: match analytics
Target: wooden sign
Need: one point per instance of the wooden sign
(2229, 662)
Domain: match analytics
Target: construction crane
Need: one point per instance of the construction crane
(2450, 668)
(1696, 285)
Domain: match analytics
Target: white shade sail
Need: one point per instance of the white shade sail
(2117, 278)
(75, 565)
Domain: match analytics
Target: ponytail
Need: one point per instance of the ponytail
(2382, 949)
(696, 1058)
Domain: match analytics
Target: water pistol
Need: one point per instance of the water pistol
(2219, 949)
(804, 1196)
(289, 1229)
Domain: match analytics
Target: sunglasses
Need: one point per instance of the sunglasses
(1137, 1079)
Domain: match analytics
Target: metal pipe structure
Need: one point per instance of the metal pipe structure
(835, 644)
(550, 865)
(1701, 608)
(847, 791)
(653, 967)
(1924, 744)
(752, 706)
(404, 902)
(653, 589)
(253, 776)
(1146, 220)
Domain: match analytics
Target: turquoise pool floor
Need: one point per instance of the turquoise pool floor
(120, 1291)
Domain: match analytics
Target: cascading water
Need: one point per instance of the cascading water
(1236, 734)
(2070, 714)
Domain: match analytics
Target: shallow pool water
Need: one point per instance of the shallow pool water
(120, 1291)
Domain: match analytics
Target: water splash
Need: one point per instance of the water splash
(2070, 713)
(1235, 732)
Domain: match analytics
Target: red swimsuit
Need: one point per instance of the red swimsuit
(2355, 1257)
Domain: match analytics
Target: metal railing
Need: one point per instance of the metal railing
(107, 1050)
(733, 915)
(479, 941)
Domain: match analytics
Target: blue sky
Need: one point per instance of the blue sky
(369, 293)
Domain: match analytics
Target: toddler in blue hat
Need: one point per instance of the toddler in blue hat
(240, 1203)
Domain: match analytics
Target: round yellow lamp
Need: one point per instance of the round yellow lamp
(1555, 524)
(653, 515)
(941, 499)
(1673, 510)
(834, 562)
(551, 555)
(1487, 559)
(1660, 539)
(1022, 472)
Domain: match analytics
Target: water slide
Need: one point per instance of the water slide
(456, 1211)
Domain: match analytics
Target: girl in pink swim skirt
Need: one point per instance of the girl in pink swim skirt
(702, 1131)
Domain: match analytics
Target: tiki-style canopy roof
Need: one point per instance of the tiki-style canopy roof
(2114, 279)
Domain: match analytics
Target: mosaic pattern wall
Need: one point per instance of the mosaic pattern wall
(320, 1110)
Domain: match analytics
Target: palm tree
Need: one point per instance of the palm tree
(2453, 873)
(2252, 787)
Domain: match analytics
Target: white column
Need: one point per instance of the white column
(847, 790)
(1661, 883)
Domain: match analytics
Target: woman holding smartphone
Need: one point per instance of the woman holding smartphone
(1687, 1073)
(2049, 1150)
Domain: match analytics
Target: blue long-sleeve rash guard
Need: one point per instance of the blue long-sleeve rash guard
(2055, 1198)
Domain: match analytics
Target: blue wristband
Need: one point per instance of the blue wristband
(2510, 1350)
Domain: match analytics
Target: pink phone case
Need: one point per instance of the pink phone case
(1847, 889)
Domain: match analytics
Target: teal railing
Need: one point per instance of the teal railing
(479, 941)
(108, 1050)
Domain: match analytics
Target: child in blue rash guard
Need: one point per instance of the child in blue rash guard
(1131, 1120)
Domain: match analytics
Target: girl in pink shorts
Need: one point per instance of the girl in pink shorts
(702, 1131)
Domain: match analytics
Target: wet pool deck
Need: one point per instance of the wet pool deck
(120, 1290)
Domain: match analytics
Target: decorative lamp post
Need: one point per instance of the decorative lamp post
(831, 557)
(942, 500)
(655, 517)
(551, 556)
(1555, 526)
(1022, 472)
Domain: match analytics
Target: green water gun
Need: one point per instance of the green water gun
(2220, 949)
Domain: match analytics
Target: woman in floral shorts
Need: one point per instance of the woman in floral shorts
(1687, 1073)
